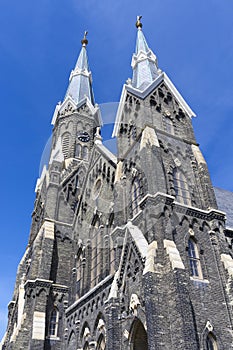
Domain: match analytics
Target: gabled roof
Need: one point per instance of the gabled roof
(108, 154)
(69, 100)
(143, 94)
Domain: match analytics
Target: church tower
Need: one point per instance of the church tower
(172, 274)
(126, 252)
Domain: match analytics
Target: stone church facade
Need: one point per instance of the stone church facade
(128, 252)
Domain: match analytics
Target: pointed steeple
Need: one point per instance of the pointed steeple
(80, 84)
(144, 61)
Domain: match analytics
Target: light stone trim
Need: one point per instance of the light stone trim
(38, 331)
(114, 288)
(228, 263)
(48, 228)
(119, 171)
(56, 153)
(174, 254)
(139, 238)
(150, 258)
(149, 138)
(143, 94)
(40, 180)
(21, 302)
(198, 155)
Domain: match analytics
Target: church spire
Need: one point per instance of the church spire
(80, 85)
(144, 61)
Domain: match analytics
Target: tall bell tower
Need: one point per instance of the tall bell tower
(173, 276)
(41, 295)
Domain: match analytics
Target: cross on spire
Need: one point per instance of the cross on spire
(144, 61)
(80, 85)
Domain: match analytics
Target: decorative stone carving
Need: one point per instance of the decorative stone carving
(86, 333)
(101, 325)
(209, 326)
(134, 304)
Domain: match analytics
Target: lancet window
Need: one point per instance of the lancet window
(181, 187)
(211, 343)
(53, 325)
(194, 260)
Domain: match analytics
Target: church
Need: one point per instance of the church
(130, 251)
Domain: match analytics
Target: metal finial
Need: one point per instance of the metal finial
(84, 41)
(139, 23)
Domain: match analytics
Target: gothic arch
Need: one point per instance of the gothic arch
(53, 322)
(71, 341)
(101, 343)
(66, 138)
(210, 339)
(138, 336)
(100, 317)
(85, 327)
(181, 187)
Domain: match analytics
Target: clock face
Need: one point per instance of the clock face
(83, 136)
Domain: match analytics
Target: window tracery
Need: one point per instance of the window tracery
(78, 150)
(211, 343)
(66, 144)
(101, 344)
(181, 187)
(53, 324)
(194, 259)
(85, 153)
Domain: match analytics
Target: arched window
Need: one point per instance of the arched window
(169, 127)
(97, 252)
(66, 144)
(211, 343)
(139, 337)
(101, 344)
(79, 268)
(85, 152)
(135, 196)
(78, 150)
(194, 260)
(86, 346)
(181, 187)
(53, 324)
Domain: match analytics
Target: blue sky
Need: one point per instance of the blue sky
(39, 44)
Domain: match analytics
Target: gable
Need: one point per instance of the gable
(143, 94)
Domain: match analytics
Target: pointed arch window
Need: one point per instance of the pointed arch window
(194, 260)
(101, 344)
(211, 343)
(135, 196)
(169, 127)
(97, 252)
(78, 150)
(53, 324)
(86, 346)
(139, 337)
(66, 144)
(85, 152)
(181, 187)
(80, 272)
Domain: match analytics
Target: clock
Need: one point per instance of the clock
(83, 136)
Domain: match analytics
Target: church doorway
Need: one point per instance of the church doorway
(139, 337)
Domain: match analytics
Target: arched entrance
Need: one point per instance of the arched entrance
(139, 337)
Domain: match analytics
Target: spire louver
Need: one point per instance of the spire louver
(144, 62)
(80, 85)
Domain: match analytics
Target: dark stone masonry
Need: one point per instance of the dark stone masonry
(129, 252)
